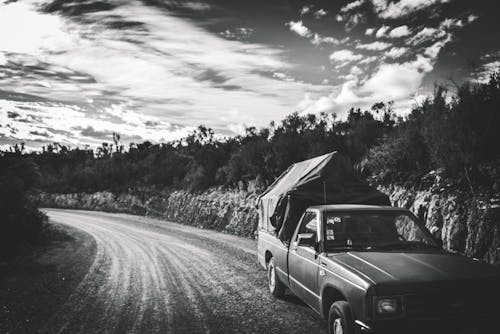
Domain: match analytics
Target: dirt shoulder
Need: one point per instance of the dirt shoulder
(34, 285)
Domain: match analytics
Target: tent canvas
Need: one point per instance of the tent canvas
(327, 179)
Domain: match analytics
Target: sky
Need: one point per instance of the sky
(74, 72)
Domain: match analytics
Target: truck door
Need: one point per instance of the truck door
(303, 262)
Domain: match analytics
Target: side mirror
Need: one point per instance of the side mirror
(306, 239)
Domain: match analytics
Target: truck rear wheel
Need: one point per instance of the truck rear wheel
(340, 319)
(276, 288)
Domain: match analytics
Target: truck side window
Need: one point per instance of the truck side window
(309, 223)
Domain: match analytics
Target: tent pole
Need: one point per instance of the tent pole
(324, 192)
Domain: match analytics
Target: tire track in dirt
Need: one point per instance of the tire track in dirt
(150, 276)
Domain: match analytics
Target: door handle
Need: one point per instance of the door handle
(323, 264)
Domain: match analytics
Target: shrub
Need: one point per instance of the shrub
(20, 218)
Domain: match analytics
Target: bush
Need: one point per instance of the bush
(21, 220)
(457, 137)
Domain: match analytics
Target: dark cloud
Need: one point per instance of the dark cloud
(12, 114)
(17, 117)
(14, 96)
(151, 124)
(89, 131)
(218, 80)
(76, 7)
(118, 22)
(40, 133)
(229, 87)
(212, 76)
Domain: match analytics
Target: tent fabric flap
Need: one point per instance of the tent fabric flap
(326, 179)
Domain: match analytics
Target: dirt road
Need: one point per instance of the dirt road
(150, 276)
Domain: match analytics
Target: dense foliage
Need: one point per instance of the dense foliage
(460, 138)
(20, 218)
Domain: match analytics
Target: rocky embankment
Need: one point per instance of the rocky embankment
(467, 222)
(229, 211)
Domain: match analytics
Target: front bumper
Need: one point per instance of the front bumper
(458, 325)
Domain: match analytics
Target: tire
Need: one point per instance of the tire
(340, 319)
(276, 288)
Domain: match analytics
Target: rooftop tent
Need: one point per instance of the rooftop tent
(327, 179)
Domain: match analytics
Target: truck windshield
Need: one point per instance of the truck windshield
(374, 230)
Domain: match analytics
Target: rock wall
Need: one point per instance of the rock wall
(467, 223)
(229, 211)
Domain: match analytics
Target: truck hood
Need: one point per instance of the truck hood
(397, 267)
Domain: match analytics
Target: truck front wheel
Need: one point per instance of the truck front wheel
(276, 288)
(340, 319)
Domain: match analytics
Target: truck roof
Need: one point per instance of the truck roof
(355, 207)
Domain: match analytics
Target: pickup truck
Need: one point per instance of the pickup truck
(377, 269)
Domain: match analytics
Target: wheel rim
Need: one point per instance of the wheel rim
(272, 278)
(337, 327)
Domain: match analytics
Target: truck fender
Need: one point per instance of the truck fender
(329, 295)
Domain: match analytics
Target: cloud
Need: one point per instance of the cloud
(12, 114)
(397, 9)
(354, 20)
(369, 31)
(320, 13)
(487, 69)
(237, 128)
(89, 131)
(471, 18)
(396, 52)
(305, 9)
(397, 81)
(194, 5)
(352, 5)
(56, 122)
(299, 28)
(375, 46)
(354, 73)
(450, 23)
(239, 34)
(43, 134)
(283, 76)
(368, 60)
(345, 56)
(44, 33)
(390, 82)
(382, 31)
(167, 68)
(400, 31)
(318, 40)
(427, 33)
(433, 50)
(3, 59)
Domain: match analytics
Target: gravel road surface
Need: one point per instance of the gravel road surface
(151, 276)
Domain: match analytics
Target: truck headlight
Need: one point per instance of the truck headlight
(389, 306)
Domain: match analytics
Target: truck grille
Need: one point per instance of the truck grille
(457, 304)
